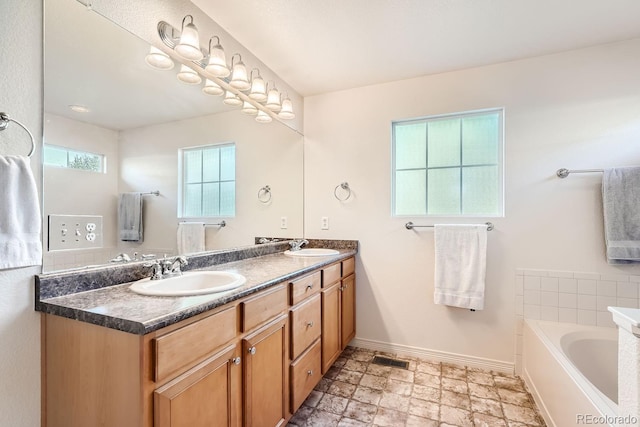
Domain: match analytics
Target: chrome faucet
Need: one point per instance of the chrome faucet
(156, 269)
(296, 245)
(121, 258)
(172, 267)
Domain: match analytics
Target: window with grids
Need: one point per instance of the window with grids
(449, 165)
(208, 181)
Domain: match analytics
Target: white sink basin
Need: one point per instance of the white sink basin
(190, 283)
(312, 252)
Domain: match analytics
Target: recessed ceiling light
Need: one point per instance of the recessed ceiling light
(79, 108)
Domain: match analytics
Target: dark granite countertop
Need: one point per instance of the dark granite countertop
(118, 307)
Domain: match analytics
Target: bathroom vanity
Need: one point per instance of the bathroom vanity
(111, 357)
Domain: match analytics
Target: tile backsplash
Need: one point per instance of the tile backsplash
(571, 297)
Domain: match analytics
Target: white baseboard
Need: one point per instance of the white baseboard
(438, 356)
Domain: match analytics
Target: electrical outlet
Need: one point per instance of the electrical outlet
(91, 226)
(324, 223)
(283, 222)
(74, 232)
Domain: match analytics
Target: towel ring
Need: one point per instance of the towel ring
(344, 186)
(264, 194)
(4, 122)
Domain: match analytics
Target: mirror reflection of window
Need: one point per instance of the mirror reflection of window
(68, 158)
(208, 181)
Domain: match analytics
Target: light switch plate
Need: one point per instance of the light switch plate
(68, 232)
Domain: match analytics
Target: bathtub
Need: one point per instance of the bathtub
(572, 372)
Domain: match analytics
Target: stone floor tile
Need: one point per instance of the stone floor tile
(484, 420)
(390, 418)
(483, 378)
(373, 381)
(455, 416)
(452, 384)
(425, 379)
(399, 387)
(429, 368)
(457, 400)
(483, 391)
(332, 372)
(299, 419)
(424, 409)
(401, 374)
(313, 398)
(323, 384)
(381, 371)
(452, 371)
(514, 397)
(509, 382)
(426, 393)
(362, 356)
(333, 404)
(394, 401)
(364, 412)
(340, 361)
(348, 422)
(414, 421)
(486, 406)
(351, 377)
(367, 395)
(320, 418)
(355, 365)
(341, 389)
(521, 414)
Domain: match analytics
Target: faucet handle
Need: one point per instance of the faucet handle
(156, 269)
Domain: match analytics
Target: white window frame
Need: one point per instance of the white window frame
(181, 181)
(500, 164)
(68, 150)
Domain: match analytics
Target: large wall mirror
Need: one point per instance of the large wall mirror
(138, 123)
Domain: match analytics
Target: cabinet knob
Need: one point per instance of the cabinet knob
(310, 372)
(344, 288)
(236, 360)
(309, 286)
(252, 350)
(310, 324)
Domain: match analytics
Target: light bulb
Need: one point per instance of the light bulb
(231, 98)
(217, 65)
(212, 88)
(287, 110)
(263, 117)
(273, 100)
(249, 108)
(188, 75)
(258, 90)
(239, 78)
(189, 45)
(158, 59)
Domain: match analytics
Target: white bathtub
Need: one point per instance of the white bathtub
(571, 371)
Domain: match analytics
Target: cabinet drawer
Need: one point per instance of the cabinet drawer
(348, 267)
(304, 287)
(305, 325)
(331, 274)
(305, 374)
(263, 307)
(179, 349)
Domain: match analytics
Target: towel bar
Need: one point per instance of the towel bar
(410, 225)
(4, 122)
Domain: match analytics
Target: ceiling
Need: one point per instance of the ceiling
(319, 46)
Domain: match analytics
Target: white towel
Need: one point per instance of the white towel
(130, 217)
(621, 205)
(461, 261)
(20, 220)
(190, 237)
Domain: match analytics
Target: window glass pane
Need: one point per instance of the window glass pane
(481, 190)
(211, 199)
(192, 166)
(192, 200)
(228, 161)
(211, 164)
(227, 198)
(444, 191)
(410, 145)
(480, 139)
(443, 143)
(55, 156)
(85, 161)
(411, 191)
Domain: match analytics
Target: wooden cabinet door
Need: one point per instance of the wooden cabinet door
(266, 375)
(348, 310)
(206, 395)
(331, 343)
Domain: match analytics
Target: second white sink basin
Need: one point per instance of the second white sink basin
(190, 283)
(312, 252)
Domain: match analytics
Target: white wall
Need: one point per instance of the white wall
(21, 98)
(579, 109)
(268, 154)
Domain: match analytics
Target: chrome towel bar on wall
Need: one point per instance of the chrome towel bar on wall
(410, 226)
(4, 122)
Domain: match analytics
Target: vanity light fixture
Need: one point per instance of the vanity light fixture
(239, 78)
(287, 109)
(258, 89)
(212, 88)
(189, 45)
(231, 98)
(217, 60)
(273, 99)
(188, 75)
(249, 108)
(263, 117)
(158, 59)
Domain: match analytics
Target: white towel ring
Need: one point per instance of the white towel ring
(264, 194)
(4, 122)
(344, 186)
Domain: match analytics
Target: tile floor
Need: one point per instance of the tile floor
(355, 392)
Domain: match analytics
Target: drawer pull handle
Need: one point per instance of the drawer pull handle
(310, 372)
(236, 360)
(310, 324)
(309, 287)
(252, 350)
